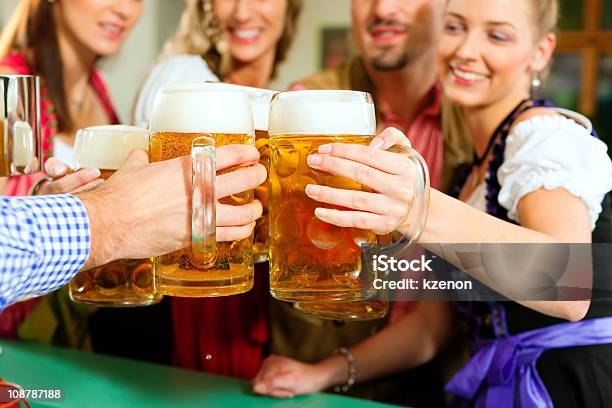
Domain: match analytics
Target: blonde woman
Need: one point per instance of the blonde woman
(235, 41)
(241, 42)
(539, 176)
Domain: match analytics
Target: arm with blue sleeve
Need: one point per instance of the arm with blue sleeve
(44, 241)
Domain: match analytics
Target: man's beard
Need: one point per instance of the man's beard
(390, 62)
(389, 59)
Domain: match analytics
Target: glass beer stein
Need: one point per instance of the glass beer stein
(311, 260)
(260, 104)
(21, 151)
(125, 282)
(193, 119)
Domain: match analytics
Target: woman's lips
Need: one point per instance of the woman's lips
(112, 31)
(465, 77)
(246, 35)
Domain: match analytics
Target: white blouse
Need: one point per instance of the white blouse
(170, 71)
(552, 152)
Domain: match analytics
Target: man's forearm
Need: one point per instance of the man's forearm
(44, 241)
(105, 240)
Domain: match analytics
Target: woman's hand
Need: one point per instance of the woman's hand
(390, 175)
(283, 377)
(65, 182)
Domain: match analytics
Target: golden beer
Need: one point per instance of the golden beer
(232, 271)
(260, 105)
(125, 282)
(310, 259)
(262, 226)
(184, 114)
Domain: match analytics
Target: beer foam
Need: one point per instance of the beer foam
(201, 108)
(322, 113)
(260, 101)
(107, 147)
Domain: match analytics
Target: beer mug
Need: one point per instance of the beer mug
(359, 310)
(311, 260)
(125, 282)
(260, 104)
(193, 119)
(20, 125)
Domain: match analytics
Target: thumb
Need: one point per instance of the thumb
(137, 157)
(390, 137)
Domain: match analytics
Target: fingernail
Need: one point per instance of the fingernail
(93, 173)
(377, 143)
(325, 149)
(313, 190)
(321, 212)
(314, 159)
(59, 169)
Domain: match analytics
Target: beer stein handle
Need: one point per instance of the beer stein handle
(203, 202)
(419, 207)
(417, 213)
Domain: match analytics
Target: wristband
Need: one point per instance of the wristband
(352, 369)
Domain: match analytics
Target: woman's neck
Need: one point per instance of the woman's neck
(256, 73)
(77, 60)
(482, 121)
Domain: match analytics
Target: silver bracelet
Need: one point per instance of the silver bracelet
(352, 369)
(36, 186)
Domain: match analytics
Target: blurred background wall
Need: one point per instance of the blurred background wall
(581, 77)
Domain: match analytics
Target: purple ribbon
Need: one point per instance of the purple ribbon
(506, 366)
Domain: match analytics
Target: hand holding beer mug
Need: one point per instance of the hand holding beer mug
(121, 283)
(393, 210)
(312, 259)
(192, 119)
(260, 104)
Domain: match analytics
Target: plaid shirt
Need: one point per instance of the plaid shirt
(44, 241)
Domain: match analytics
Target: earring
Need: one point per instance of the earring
(536, 86)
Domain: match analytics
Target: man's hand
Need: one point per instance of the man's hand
(144, 209)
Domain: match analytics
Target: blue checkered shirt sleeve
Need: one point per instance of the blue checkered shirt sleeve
(44, 241)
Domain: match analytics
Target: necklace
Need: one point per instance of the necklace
(79, 104)
(76, 104)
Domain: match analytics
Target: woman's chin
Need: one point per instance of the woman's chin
(464, 98)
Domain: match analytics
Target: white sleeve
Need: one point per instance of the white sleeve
(173, 70)
(553, 152)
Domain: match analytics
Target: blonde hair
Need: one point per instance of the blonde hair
(546, 16)
(199, 33)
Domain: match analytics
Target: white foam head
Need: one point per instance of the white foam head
(201, 108)
(260, 101)
(322, 113)
(107, 147)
